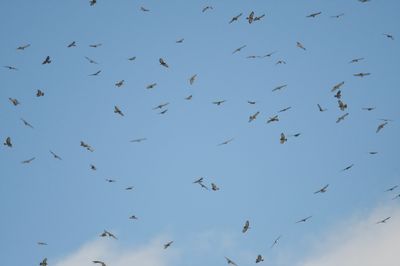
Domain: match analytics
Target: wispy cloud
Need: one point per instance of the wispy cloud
(111, 252)
(361, 242)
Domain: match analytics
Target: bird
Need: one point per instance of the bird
(132, 58)
(284, 109)
(303, 220)
(347, 168)
(338, 15)
(144, 9)
(28, 161)
(251, 102)
(206, 8)
(44, 262)
(87, 146)
(364, 1)
(283, 138)
(26, 123)
(189, 97)
(7, 142)
(300, 45)
(72, 44)
(276, 241)
(192, 79)
(235, 18)
(252, 56)
(42, 243)
(246, 226)
(129, 188)
(269, 54)
(110, 180)
(295, 135)
(337, 86)
(95, 73)
(55, 155)
(338, 94)
(11, 67)
(396, 197)
(381, 126)
(23, 47)
(150, 86)
(219, 102)
(279, 87)
(168, 244)
(91, 60)
(133, 217)
(118, 111)
(253, 116)
(163, 112)
(361, 74)
(119, 83)
(373, 152)
(258, 17)
(356, 60)
(39, 93)
(99, 262)
(342, 105)
(392, 188)
(95, 45)
(214, 187)
(199, 180)
(321, 109)
(163, 63)
(273, 119)
(384, 220)
(389, 36)
(259, 259)
(342, 117)
(322, 190)
(250, 18)
(47, 60)
(92, 2)
(14, 101)
(313, 15)
(160, 106)
(180, 40)
(93, 167)
(239, 49)
(229, 261)
(225, 142)
(368, 108)
(280, 62)
(138, 140)
(108, 234)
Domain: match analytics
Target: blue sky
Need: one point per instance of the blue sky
(67, 205)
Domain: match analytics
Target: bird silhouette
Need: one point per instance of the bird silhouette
(322, 190)
(313, 15)
(259, 259)
(28, 161)
(253, 116)
(47, 60)
(118, 111)
(167, 245)
(381, 126)
(39, 93)
(283, 138)
(26, 123)
(229, 261)
(303, 220)
(239, 49)
(108, 234)
(7, 142)
(72, 44)
(55, 155)
(23, 47)
(163, 63)
(384, 220)
(235, 18)
(246, 226)
(321, 109)
(341, 118)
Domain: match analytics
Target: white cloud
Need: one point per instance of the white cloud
(361, 242)
(110, 251)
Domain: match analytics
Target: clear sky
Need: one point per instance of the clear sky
(67, 205)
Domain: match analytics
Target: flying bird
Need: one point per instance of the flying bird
(384, 220)
(28, 161)
(129, 188)
(110, 180)
(322, 190)
(108, 234)
(44, 262)
(396, 197)
(87, 146)
(259, 259)
(259, 17)
(251, 102)
(199, 180)
(92, 2)
(206, 8)
(118, 111)
(273, 119)
(280, 62)
(392, 188)
(26, 123)
(361, 74)
(337, 86)
(300, 45)
(189, 97)
(144, 9)
(283, 138)
(7, 142)
(229, 261)
(253, 116)
(47, 60)
(132, 58)
(192, 79)
(356, 60)
(338, 16)
(119, 83)
(389, 36)
(55, 155)
(268, 55)
(99, 262)
(225, 142)
(42, 243)
(368, 108)
(214, 187)
(91, 60)
(11, 67)
(364, 1)
(239, 49)
(168, 244)
(150, 86)
(373, 152)
(95, 45)
(160, 106)
(93, 167)
(280, 87)
(338, 94)
(23, 47)
(303, 220)
(246, 226)
(180, 40)
(342, 117)
(381, 126)
(342, 105)
(235, 18)
(138, 140)
(72, 44)
(133, 217)
(250, 18)
(96, 73)
(39, 93)
(163, 63)
(321, 109)
(276, 241)
(14, 101)
(313, 15)
(163, 112)
(347, 168)
(284, 109)
(219, 102)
